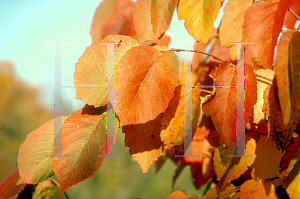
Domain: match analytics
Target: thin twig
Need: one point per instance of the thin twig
(207, 91)
(197, 51)
(293, 13)
(57, 184)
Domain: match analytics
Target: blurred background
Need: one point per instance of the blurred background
(27, 93)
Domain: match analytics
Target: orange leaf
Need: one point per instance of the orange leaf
(161, 15)
(199, 17)
(289, 19)
(222, 105)
(84, 139)
(147, 86)
(199, 146)
(144, 139)
(253, 189)
(263, 23)
(34, 166)
(177, 194)
(173, 135)
(152, 18)
(113, 17)
(231, 27)
(266, 164)
(91, 69)
(8, 186)
(230, 168)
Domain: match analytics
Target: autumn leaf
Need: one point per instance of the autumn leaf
(292, 182)
(231, 27)
(222, 105)
(148, 86)
(295, 69)
(177, 194)
(230, 168)
(289, 19)
(263, 23)
(161, 15)
(257, 112)
(144, 142)
(174, 133)
(44, 189)
(91, 69)
(199, 17)
(144, 139)
(254, 189)
(220, 193)
(113, 17)
(283, 79)
(8, 186)
(285, 132)
(152, 18)
(291, 156)
(34, 166)
(84, 139)
(266, 164)
(271, 105)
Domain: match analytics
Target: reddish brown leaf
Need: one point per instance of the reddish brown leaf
(213, 138)
(148, 86)
(285, 132)
(113, 17)
(263, 23)
(222, 105)
(289, 19)
(34, 166)
(84, 139)
(271, 106)
(8, 186)
(202, 173)
(289, 153)
(295, 69)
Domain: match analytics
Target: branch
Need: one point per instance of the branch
(293, 13)
(197, 51)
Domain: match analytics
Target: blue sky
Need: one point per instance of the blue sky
(26, 26)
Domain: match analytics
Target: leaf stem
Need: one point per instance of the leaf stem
(197, 51)
(57, 184)
(293, 13)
